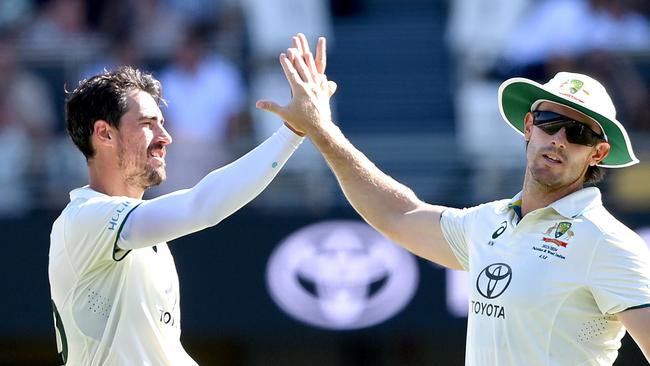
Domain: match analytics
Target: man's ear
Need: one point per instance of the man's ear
(600, 152)
(103, 132)
(528, 126)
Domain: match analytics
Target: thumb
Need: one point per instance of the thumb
(270, 106)
(332, 87)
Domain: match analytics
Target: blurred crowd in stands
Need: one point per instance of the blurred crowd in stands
(212, 57)
(216, 57)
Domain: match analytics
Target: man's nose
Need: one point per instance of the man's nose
(164, 136)
(559, 138)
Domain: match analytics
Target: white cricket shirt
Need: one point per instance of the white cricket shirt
(545, 290)
(111, 308)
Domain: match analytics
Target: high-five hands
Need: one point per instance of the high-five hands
(309, 107)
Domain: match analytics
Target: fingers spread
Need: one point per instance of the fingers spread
(300, 66)
(303, 43)
(305, 52)
(271, 107)
(290, 72)
(311, 65)
(321, 55)
(297, 44)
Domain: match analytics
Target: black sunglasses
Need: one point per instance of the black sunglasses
(576, 132)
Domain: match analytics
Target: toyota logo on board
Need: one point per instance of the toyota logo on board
(494, 280)
(341, 275)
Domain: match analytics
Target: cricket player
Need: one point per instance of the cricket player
(113, 280)
(555, 278)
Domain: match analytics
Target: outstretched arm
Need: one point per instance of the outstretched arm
(215, 197)
(390, 207)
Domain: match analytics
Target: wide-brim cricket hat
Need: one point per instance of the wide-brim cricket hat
(518, 96)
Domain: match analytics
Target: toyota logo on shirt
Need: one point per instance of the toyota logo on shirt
(494, 280)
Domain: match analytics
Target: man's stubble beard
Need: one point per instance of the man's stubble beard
(552, 181)
(138, 172)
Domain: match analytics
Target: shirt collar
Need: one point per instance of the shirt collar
(568, 206)
(515, 205)
(84, 192)
(578, 202)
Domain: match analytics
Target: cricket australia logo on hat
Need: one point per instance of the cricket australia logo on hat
(573, 86)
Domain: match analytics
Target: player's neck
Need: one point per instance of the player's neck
(536, 195)
(109, 181)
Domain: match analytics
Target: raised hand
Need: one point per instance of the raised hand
(309, 107)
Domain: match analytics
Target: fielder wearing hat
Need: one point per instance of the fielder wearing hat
(519, 96)
(555, 279)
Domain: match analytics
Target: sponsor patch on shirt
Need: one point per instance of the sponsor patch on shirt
(555, 238)
(115, 219)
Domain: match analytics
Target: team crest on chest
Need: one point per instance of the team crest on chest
(560, 230)
(554, 239)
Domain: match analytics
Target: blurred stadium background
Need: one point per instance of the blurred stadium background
(417, 92)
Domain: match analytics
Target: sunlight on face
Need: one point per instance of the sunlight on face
(554, 162)
(142, 140)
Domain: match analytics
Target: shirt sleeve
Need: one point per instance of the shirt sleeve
(215, 197)
(619, 276)
(92, 230)
(454, 223)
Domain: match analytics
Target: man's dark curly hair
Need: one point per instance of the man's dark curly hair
(104, 97)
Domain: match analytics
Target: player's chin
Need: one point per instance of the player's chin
(546, 175)
(156, 176)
